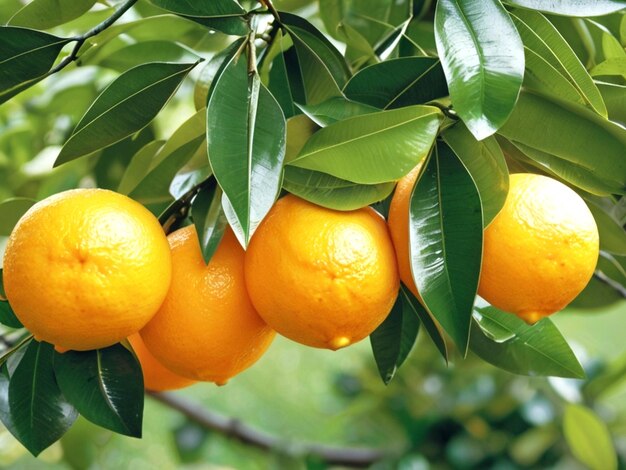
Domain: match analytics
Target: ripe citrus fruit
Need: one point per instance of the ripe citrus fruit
(207, 328)
(156, 376)
(321, 277)
(541, 249)
(86, 268)
(398, 221)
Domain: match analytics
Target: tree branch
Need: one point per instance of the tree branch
(351, 457)
(616, 286)
(80, 40)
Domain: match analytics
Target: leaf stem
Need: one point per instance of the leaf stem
(80, 40)
(179, 209)
(270, 7)
(352, 457)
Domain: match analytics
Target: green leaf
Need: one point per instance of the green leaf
(126, 106)
(400, 82)
(212, 9)
(139, 166)
(615, 98)
(26, 56)
(446, 236)
(483, 59)
(361, 149)
(146, 51)
(334, 193)
(542, 37)
(153, 188)
(323, 69)
(612, 234)
(281, 80)
(40, 414)
(335, 109)
(485, 163)
(246, 134)
(528, 350)
(7, 316)
(46, 14)
(612, 66)
(572, 7)
(394, 338)
(232, 25)
(567, 137)
(432, 327)
(209, 219)
(589, 438)
(208, 74)
(105, 386)
(11, 210)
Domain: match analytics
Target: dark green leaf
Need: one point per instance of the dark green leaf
(209, 219)
(11, 210)
(26, 55)
(208, 73)
(571, 141)
(589, 438)
(233, 25)
(446, 235)
(399, 82)
(572, 7)
(485, 163)
(335, 193)
(126, 106)
(212, 9)
(46, 14)
(7, 316)
(542, 37)
(393, 340)
(483, 59)
(529, 350)
(432, 327)
(246, 134)
(105, 386)
(374, 148)
(185, 180)
(612, 234)
(281, 81)
(139, 166)
(323, 69)
(335, 109)
(40, 414)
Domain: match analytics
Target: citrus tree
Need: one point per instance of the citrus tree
(343, 169)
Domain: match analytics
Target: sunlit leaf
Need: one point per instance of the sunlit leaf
(589, 438)
(46, 14)
(11, 210)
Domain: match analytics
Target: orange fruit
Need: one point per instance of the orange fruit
(541, 249)
(86, 268)
(156, 376)
(321, 277)
(207, 328)
(398, 221)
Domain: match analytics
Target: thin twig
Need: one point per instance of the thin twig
(347, 456)
(616, 286)
(80, 40)
(270, 7)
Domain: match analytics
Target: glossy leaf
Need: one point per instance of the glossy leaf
(7, 316)
(105, 386)
(126, 106)
(209, 219)
(335, 109)
(246, 134)
(528, 350)
(572, 7)
(281, 81)
(11, 210)
(212, 9)
(566, 133)
(430, 324)
(323, 69)
(208, 74)
(394, 338)
(232, 25)
(485, 163)
(446, 236)
(612, 66)
(589, 438)
(139, 166)
(334, 193)
(26, 56)
(483, 59)
(400, 82)
(361, 149)
(46, 14)
(40, 414)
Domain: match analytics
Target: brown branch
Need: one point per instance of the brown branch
(347, 456)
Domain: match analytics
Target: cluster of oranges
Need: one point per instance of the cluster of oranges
(87, 268)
